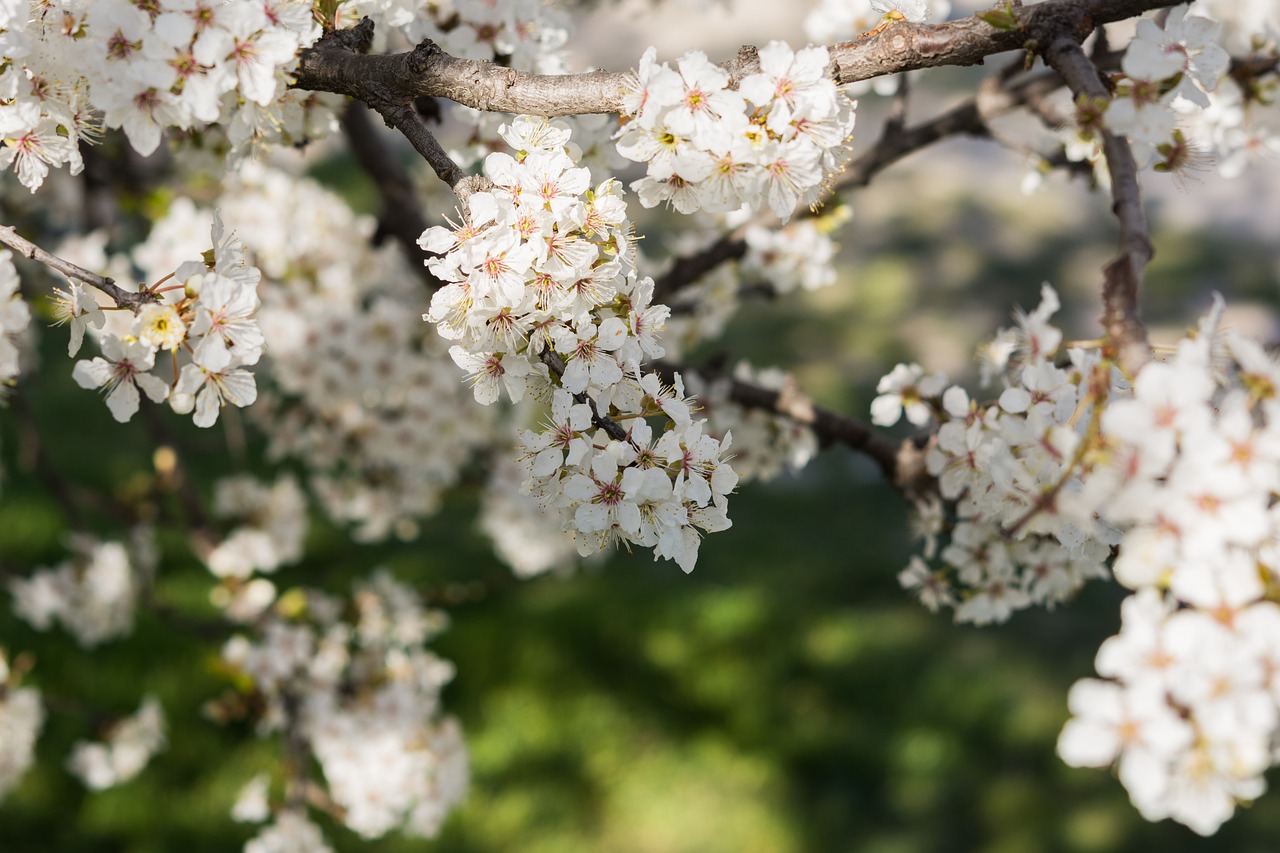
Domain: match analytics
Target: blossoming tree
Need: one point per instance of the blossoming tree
(552, 349)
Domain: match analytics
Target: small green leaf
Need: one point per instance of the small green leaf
(1001, 19)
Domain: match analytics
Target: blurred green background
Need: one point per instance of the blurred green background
(786, 696)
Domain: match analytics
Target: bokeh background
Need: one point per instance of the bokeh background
(786, 696)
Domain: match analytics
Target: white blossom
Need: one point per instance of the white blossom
(125, 751)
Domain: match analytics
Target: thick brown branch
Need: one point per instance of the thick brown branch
(1122, 276)
(333, 65)
(968, 41)
(123, 298)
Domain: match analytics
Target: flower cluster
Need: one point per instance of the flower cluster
(1179, 470)
(290, 832)
(1178, 100)
(153, 66)
(21, 718)
(128, 746)
(523, 34)
(778, 136)
(356, 682)
(1191, 471)
(541, 273)
(765, 445)
(212, 320)
(799, 255)
(93, 595)
(1180, 61)
(14, 317)
(362, 393)
(273, 524)
(1005, 471)
(356, 389)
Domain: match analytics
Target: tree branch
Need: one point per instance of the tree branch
(968, 117)
(334, 65)
(406, 120)
(968, 41)
(123, 298)
(688, 269)
(902, 464)
(1122, 282)
(401, 216)
(556, 365)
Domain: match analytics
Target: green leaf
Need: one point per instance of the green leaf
(1001, 19)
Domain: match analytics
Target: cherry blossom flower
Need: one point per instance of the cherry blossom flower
(120, 372)
(225, 311)
(489, 372)
(77, 307)
(783, 129)
(905, 390)
(125, 751)
(14, 317)
(160, 327)
(213, 380)
(914, 11)
(21, 718)
(1184, 46)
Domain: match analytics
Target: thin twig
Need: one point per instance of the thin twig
(901, 464)
(123, 298)
(401, 215)
(688, 269)
(556, 365)
(405, 119)
(1122, 282)
(897, 118)
(296, 752)
(967, 118)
